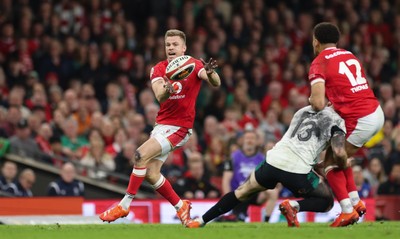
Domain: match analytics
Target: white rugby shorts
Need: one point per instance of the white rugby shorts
(367, 127)
(170, 138)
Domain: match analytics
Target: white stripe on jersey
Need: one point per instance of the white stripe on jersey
(316, 80)
(156, 79)
(308, 135)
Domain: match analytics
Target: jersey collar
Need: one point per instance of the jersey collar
(330, 48)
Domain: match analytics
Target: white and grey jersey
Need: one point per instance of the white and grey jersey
(308, 135)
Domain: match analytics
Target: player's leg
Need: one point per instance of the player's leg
(170, 138)
(148, 150)
(269, 196)
(229, 201)
(337, 181)
(351, 187)
(318, 200)
(164, 188)
(364, 129)
(300, 185)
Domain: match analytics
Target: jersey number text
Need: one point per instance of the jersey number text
(344, 70)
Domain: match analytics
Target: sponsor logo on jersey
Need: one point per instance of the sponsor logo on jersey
(177, 87)
(177, 97)
(337, 53)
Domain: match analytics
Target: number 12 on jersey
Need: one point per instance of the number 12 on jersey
(345, 70)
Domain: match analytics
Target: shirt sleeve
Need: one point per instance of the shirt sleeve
(317, 72)
(156, 73)
(199, 68)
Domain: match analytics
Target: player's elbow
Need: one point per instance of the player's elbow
(216, 84)
(161, 98)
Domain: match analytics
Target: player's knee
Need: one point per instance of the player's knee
(241, 194)
(138, 157)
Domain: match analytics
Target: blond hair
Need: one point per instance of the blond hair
(176, 32)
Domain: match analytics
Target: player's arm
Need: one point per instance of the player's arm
(227, 176)
(317, 98)
(338, 142)
(209, 74)
(162, 89)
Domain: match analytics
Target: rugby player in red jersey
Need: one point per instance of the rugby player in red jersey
(336, 74)
(173, 127)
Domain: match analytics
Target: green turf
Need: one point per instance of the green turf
(213, 230)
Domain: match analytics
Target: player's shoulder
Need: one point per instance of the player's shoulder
(158, 69)
(197, 61)
(161, 64)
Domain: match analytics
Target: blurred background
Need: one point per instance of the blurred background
(76, 98)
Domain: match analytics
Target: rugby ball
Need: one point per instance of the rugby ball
(180, 68)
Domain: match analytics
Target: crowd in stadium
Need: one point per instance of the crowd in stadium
(74, 79)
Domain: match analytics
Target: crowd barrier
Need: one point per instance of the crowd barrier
(160, 211)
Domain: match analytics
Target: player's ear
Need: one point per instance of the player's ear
(315, 43)
(184, 48)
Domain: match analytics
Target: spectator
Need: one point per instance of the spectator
(363, 187)
(66, 185)
(22, 144)
(374, 173)
(274, 96)
(97, 163)
(107, 131)
(71, 141)
(8, 174)
(124, 158)
(22, 188)
(42, 139)
(171, 171)
(392, 185)
(16, 99)
(150, 112)
(57, 155)
(194, 184)
(215, 156)
(120, 138)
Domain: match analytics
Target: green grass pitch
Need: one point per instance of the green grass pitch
(365, 230)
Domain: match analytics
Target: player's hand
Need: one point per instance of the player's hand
(209, 66)
(169, 88)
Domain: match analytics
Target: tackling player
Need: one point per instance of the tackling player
(173, 127)
(290, 162)
(337, 74)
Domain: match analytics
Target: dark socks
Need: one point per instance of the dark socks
(224, 205)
